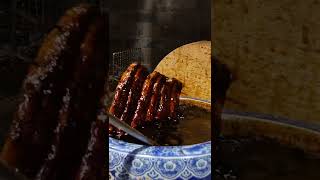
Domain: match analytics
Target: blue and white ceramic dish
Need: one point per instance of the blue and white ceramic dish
(133, 161)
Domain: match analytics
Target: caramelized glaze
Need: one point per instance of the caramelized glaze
(31, 131)
(144, 101)
(78, 109)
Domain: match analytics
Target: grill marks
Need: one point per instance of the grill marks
(164, 104)
(156, 96)
(33, 124)
(50, 137)
(122, 90)
(134, 94)
(144, 100)
(78, 109)
(122, 94)
(150, 98)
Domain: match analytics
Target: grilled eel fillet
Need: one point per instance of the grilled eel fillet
(78, 109)
(122, 92)
(31, 131)
(163, 109)
(144, 100)
(134, 94)
(156, 99)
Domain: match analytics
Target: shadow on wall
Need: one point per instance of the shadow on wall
(157, 26)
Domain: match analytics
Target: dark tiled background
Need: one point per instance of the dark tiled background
(156, 26)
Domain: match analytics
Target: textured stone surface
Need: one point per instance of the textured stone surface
(273, 49)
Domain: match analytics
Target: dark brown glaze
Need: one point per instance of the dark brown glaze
(152, 109)
(74, 21)
(134, 94)
(133, 97)
(78, 108)
(32, 128)
(94, 162)
(144, 100)
(163, 110)
(175, 94)
(122, 91)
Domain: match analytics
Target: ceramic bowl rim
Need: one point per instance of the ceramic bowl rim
(191, 150)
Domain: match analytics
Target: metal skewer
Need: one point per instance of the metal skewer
(131, 131)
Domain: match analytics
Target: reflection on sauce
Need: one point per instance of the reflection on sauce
(192, 126)
(195, 126)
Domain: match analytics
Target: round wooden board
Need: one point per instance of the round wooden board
(190, 64)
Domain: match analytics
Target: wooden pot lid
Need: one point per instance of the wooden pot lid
(190, 64)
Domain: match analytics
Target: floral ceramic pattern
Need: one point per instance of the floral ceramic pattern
(132, 161)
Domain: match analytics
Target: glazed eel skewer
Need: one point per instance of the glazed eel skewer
(32, 128)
